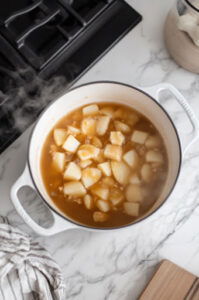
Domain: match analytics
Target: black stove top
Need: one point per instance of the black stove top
(45, 45)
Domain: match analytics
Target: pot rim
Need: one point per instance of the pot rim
(64, 217)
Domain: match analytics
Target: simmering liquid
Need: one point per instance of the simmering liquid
(104, 165)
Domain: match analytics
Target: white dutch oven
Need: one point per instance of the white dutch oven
(145, 101)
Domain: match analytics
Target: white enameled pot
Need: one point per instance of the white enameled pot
(143, 100)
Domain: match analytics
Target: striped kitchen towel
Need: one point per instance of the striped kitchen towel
(27, 272)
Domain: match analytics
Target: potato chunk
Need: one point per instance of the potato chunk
(90, 176)
(100, 217)
(60, 136)
(96, 142)
(121, 172)
(131, 158)
(116, 196)
(153, 141)
(117, 138)
(88, 126)
(90, 109)
(146, 173)
(73, 130)
(72, 172)
(88, 202)
(120, 126)
(59, 160)
(101, 192)
(102, 124)
(88, 151)
(74, 188)
(134, 179)
(85, 163)
(105, 168)
(134, 193)
(108, 181)
(107, 110)
(71, 144)
(139, 137)
(131, 209)
(100, 157)
(113, 152)
(102, 205)
(154, 157)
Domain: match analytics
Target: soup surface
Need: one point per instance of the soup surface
(104, 165)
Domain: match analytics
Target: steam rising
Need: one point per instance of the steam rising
(25, 102)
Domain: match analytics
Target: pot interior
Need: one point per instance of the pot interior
(105, 92)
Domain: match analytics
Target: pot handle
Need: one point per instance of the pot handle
(188, 139)
(59, 224)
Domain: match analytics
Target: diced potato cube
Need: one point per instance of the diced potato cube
(117, 138)
(100, 157)
(60, 136)
(116, 196)
(108, 181)
(134, 193)
(139, 137)
(132, 209)
(101, 192)
(73, 130)
(121, 172)
(88, 202)
(154, 157)
(134, 179)
(102, 124)
(74, 188)
(72, 172)
(108, 110)
(131, 158)
(86, 152)
(105, 168)
(71, 144)
(90, 176)
(96, 142)
(59, 160)
(99, 216)
(153, 141)
(85, 163)
(147, 173)
(113, 152)
(102, 205)
(120, 126)
(132, 119)
(90, 109)
(88, 126)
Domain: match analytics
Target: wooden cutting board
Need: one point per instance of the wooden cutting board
(171, 282)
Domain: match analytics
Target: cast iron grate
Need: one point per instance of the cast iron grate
(41, 40)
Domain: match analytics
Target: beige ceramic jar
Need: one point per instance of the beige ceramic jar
(182, 34)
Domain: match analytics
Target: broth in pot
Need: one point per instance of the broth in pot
(104, 165)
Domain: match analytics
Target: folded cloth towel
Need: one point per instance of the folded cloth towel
(27, 272)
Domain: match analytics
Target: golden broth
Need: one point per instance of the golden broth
(149, 188)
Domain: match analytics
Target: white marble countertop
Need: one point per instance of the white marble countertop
(117, 264)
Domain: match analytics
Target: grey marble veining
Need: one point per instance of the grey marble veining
(117, 265)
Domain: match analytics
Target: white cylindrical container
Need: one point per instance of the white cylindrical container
(181, 34)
